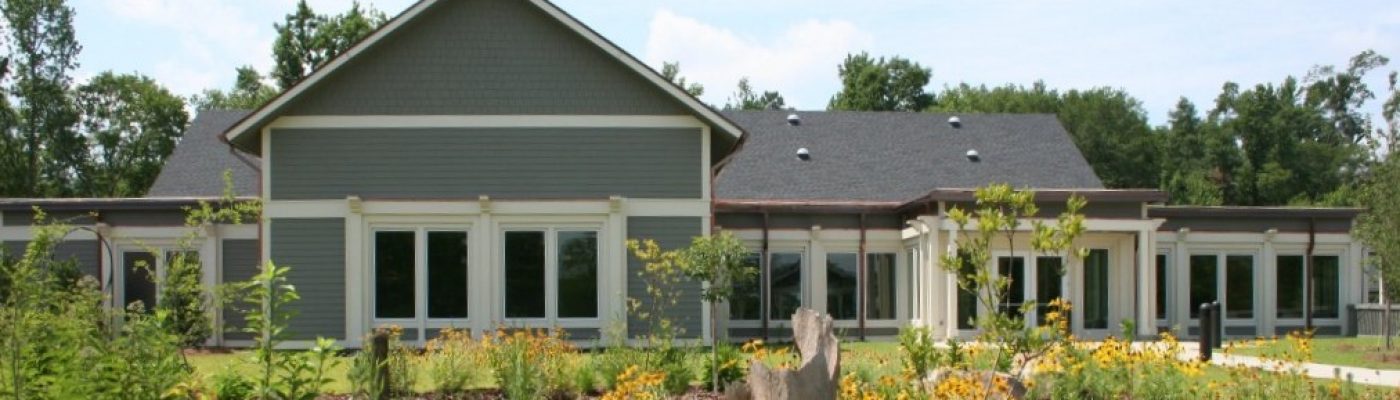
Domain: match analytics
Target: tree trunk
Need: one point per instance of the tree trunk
(1385, 320)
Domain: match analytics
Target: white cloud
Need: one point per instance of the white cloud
(800, 61)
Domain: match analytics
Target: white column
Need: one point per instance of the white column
(1265, 286)
(357, 306)
(615, 305)
(209, 267)
(815, 295)
(950, 308)
(481, 275)
(1181, 273)
(1147, 284)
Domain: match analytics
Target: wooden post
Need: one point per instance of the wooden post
(381, 364)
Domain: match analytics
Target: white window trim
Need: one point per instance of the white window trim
(1221, 252)
(775, 248)
(551, 232)
(1319, 251)
(420, 320)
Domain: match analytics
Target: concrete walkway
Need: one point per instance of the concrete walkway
(1377, 377)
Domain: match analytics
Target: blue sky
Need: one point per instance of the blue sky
(1157, 51)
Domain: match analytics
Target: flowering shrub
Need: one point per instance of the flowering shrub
(635, 384)
(452, 362)
(528, 363)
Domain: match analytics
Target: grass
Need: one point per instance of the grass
(1364, 352)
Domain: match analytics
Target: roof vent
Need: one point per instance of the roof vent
(803, 155)
(973, 156)
(955, 121)
(794, 120)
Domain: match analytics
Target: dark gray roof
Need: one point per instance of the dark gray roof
(196, 167)
(897, 156)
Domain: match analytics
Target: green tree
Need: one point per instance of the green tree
(132, 124)
(672, 72)
(720, 261)
(248, 92)
(306, 40)
(1193, 171)
(745, 98)
(1379, 226)
(44, 52)
(871, 84)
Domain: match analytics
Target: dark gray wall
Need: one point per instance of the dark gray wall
(240, 263)
(314, 249)
(669, 233)
(484, 57)
(805, 221)
(83, 252)
(1256, 225)
(174, 217)
(26, 217)
(1052, 209)
(507, 163)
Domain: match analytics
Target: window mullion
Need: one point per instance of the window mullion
(551, 274)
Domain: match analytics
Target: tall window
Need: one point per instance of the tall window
(747, 300)
(1162, 266)
(1096, 289)
(1203, 282)
(1326, 281)
(967, 296)
(1048, 271)
(397, 266)
(1239, 286)
(880, 286)
(842, 286)
(1013, 269)
(786, 280)
(557, 265)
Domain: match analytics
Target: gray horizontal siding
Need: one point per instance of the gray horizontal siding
(484, 57)
(669, 233)
(1370, 318)
(240, 264)
(500, 162)
(82, 252)
(314, 249)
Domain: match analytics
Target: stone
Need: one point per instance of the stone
(818, 374)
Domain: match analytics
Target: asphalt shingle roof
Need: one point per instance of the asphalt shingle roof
(196, 167)
(896, 156)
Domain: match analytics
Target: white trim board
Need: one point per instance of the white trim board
(261, 116)
(486, 121)
(630, 207)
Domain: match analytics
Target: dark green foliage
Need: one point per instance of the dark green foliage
(306, 40)
(727, 363)
(44, 148)
(248, 92)
(877, 84)
(745, 98)
(132, 124)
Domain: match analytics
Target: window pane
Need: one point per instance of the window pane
(1161, 286)
(1326, 286)
(746, 301)
(447, 275)
(841, 285)
(578, 275)
(1014, 270)
(787, 285)
(138, 281)
(524, 275)
(880, 286)
(1096, 289)
(1290, 286)
(1239, 286)
(1203, 281)
(393, 275)
(1047, 283)
(967, 297)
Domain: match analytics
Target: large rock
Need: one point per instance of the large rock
(819, 372)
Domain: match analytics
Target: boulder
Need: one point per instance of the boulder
(818, 374)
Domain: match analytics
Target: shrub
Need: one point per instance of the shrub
(585, 376)
(527, 364)
(612, 362)
(731, 363)
(229, 384)
(363, 372)
(917, 351)
(451, 361)
(636, 384)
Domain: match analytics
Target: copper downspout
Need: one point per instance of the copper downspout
(765, 275)
(861, 286)
(1308, 277)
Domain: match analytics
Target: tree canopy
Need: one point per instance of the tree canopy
(746, 98)
(878, 84)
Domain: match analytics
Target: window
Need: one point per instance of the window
(533, 257)
(1326, 273)
(1048, 271)
(1290, 286)
(786, 280)
(880, 286)
(1239, 286)
(1096, 289)
(1203, 282)
(967, 296)
(842, 285)
(397, 266)
(1162, 276)
(1013, 269)
(747, 300)
(138, 279)
(393, 274)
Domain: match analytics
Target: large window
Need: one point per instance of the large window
(1203, 282)
(1163, 265)
(1096, 289)
(1048, 272)
(967, 296)
(842, 286)
(1239, 286)
(786, 281)
(397, 266)
(880, 286)
(747, 302)
(1325, 280)
(533, 257)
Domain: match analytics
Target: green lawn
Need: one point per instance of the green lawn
(1365, 352)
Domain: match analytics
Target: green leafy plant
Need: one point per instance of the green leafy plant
(919, 354)
(266, 299)
(363, 374)
(720, 261)
(451, 361)
(528, 364)
(229, 384)
(731, 364)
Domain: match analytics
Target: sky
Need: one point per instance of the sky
(1158, 51)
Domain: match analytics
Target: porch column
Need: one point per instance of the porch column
(1147, 284)
(934, 293)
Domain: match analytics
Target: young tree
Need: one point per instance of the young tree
(871, 84)
(745, 98)
(132, 124)
(720, 261)
(672, 72)
(1379, 226)
(999, 213)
